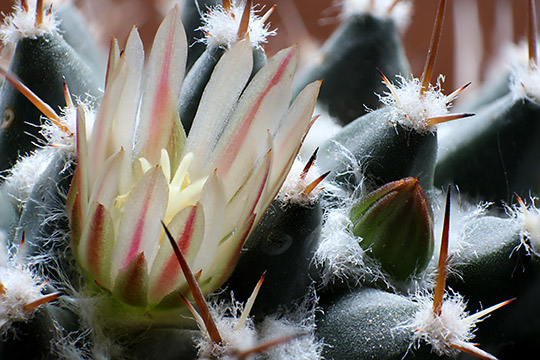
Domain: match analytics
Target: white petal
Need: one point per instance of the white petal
(163, 82)
(219, 99)
(140, 226)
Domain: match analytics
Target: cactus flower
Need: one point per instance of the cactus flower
(136, 168)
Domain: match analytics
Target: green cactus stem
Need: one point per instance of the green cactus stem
(42, 222)
(173, 344)
(199, 74)
(41, 63)
(365, 324)
(490, 263)
(348, 63)
(382, 153)
(283, 245)
(38, 337)
(74, 29)
(493, 155)
(191, 18)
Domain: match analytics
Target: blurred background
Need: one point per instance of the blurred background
(474, 43)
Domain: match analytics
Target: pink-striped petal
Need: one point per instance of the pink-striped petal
(187, 227)
(289, 136)
(74, 212)
(131, 284)
(214, 203)
(125, 115)
(80, 178)
(100, 140)
(243, 205)
(246, 200)
(219, 99)
(278, 69)
(140, 226)
(107, 183)
(229, 253)
(163, 82)
(96, 245)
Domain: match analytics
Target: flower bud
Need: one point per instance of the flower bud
(396, 227)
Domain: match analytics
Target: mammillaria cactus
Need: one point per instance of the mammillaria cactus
(162, 210)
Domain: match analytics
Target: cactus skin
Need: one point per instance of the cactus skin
(283, 245)
(40, 224)
(385, 153)
(75, 32)
(192, 21)
(364, 325)
(40, 64)
(487, 268)
(355, 322)
(363, 43)
(495, 154)
(173, 344)
(36, 338)
(491, 267)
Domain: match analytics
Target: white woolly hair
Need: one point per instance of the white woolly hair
(412, 109)
(226, 315)
(400, 13)
(20, 180)
(21, 287)
(292, 190)
(221, 26)
(462, 215)
(525, 82)
(59, 138)
(22, 24)
(300, 321)
(453, 326)
(340, 256)
(94, 342)
(322, 130)
(529, 219)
